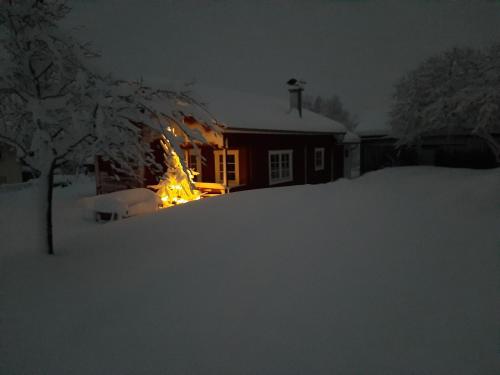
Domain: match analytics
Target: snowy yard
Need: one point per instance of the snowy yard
(396, 272)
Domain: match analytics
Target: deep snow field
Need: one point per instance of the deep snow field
(396, 272)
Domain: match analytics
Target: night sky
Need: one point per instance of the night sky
(354, 48)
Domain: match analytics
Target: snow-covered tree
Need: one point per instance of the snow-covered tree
(54, 109)
(332, 108)
(456, 91)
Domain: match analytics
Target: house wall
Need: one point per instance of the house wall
(254, 158)
(253, 153)
(108, 180)
(10, 167)
(338, 161)
(208, 166)
(150, 176)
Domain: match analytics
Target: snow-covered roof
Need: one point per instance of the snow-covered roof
(244, 111)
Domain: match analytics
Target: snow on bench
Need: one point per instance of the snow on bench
(124, 203)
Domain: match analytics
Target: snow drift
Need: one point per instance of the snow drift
(393, 273)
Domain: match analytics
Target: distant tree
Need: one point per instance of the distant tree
(332, 108)
(54, 109)
(458, 90)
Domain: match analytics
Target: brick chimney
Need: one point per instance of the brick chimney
(295, 89)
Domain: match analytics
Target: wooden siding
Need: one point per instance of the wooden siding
(108, 181)
(338, 161)
(254, 157)
(253, 154)
(208, 164)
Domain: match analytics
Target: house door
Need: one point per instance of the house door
(227, 167)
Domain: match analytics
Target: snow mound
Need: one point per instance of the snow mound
(392, 273)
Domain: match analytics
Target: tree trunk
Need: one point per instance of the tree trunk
(46, 194)
(50, 190)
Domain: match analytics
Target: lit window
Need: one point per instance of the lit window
(232, 167)
(280, 166)
(319, 159)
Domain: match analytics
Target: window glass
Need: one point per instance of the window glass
(280, 166)
(231, 166)
(319, 159)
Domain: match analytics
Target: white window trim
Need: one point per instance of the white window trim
(197, 154)
(217, 153)
(275, 181)
(319, 167)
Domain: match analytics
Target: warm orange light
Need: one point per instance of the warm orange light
(176, 186)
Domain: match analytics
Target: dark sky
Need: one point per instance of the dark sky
(353, 48)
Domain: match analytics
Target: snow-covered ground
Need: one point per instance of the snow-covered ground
(396, 272)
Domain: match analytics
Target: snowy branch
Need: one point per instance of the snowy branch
(86, 138)
(458, 90)
(11, 90)
(14, 143)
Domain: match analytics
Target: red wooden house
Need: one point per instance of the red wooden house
(264, 142)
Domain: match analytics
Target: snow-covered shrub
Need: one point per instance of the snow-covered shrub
(456, 91)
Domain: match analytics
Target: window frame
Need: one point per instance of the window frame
(218, 171)
(280, 179)
(321, 166)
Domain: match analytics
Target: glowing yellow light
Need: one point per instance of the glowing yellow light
(179, 200)
(177, 185)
